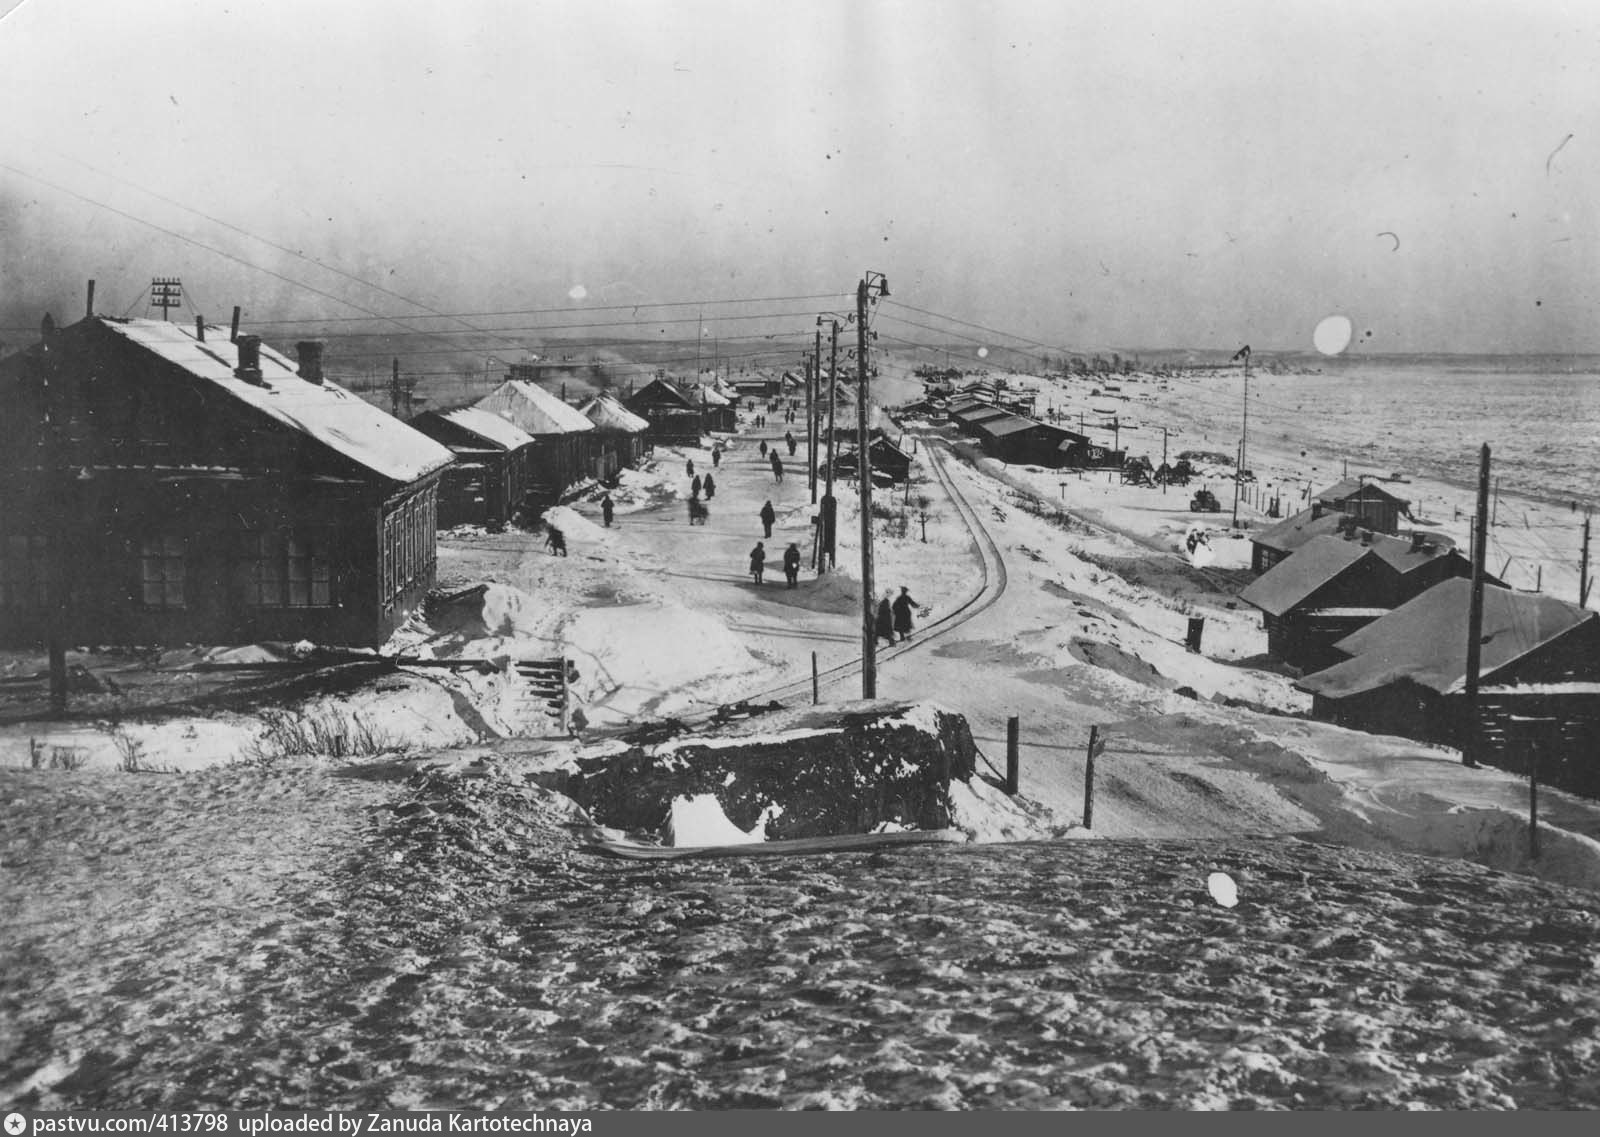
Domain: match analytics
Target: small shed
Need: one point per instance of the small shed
(564, 440)
(1275, 543)
(1079, 452)
(716, 413)
(622, 436)
(493, 465)
(1373, 506)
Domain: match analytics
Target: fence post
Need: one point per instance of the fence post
(815, 694)
(1013, 758)
(1088, 779)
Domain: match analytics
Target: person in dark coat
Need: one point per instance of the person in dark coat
(884, 629)
(768, 519)
(688, 468)
(758, 561)
(607, 509)
(902, 613)
(556, 541)
(791, 564)
(710, 487)
(789, 439)
(777, 467)
(694, 487)
(763, 447)
(716, 456)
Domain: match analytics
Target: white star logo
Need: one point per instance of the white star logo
(15, 1124)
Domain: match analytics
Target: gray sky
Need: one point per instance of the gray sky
(1090, 175)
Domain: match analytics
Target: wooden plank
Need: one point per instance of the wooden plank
(843, 843)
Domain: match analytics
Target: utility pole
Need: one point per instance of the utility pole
(830, 504)
(869, 639)
(394, 388)
(1166, 477)
(811, 414)
(1583, 564)
(1475, 614)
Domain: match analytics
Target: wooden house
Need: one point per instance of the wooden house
(968, 419)
(1015, 439)
(889, 463)
(716, 412)
(622, 437)
(1370, 504)
(492, 469)
(1539, 674)
(1276, 542)
(1079, 452)
(563, 440)
(1335, 584)
(163, 484)
(674, 419)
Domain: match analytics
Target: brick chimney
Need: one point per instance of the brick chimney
(1316, 510)
(310, 353)
(249, 368)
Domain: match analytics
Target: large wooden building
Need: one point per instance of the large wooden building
(1539, 671)
(1370, 504)
(563, 440)
(162, 484)
(492, 467)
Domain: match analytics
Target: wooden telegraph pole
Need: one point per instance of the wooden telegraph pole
(1583, 566)
(1480, 546)
(869, 636)
(811, 414)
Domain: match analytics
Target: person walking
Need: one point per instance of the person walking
(694, 488)
(902, 613)
(788, 437)
(763, 447)
(607, 509)
(791, 564)
(688, 468)
(556, 542)
(758, 561)
(710, 486)
(768, 519)
(716, 456)
(884, 628)
(777, 467)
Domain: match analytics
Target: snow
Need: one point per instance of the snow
(533, 409)
(490, 426)
(698, 820)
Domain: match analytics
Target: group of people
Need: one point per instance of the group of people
(791, 562)
(894, 617)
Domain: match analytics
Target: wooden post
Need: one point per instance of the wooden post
(816, 695)
(1475, 614)
(90, 305)
(1088, 778)
(233, 332)
(1533, 792)
(1013, 758)
(1583, 566)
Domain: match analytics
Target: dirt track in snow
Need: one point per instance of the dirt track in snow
(308, 937)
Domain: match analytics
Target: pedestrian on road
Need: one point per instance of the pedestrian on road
(763, 447)
(791, 564)
(768, 518)
(688, 468)
(710, 487)
(777, 467)
(902, 613)
(556, 542)
(716, 456)
(758, 561)
(607, 510)
(884, 629)
(789, 438)
(694, 488)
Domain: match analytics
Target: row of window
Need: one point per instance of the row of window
(408, 545)
(270, 570)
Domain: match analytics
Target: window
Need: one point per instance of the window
(285, 570)
(23, 572)
(161, 571)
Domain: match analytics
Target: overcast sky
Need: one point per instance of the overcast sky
(1090, 175)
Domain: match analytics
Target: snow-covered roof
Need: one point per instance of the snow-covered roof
(533, 409)
(1292, 532)
(608, 414)
(712, 398)
(1002, 425)
(323, 411)
(1355, 488)
(476, 420)
(1425, 640)
(1289, 582)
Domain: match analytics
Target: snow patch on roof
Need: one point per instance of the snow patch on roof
(326, 412)
(497, 430)
(533, 409)
(608, 414)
